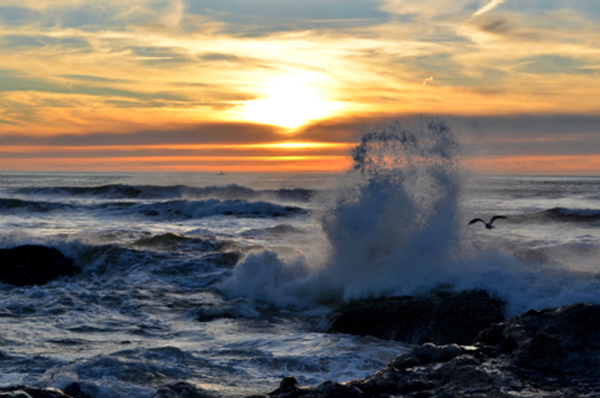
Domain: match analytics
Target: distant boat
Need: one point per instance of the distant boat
(221, 173)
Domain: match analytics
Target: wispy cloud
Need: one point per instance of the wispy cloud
(488, 7)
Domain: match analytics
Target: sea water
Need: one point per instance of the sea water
(224, 280)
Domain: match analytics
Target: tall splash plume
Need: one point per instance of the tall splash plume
(391, 227)
(392, 230)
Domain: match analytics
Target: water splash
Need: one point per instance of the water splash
(391, 226)
(396, 220)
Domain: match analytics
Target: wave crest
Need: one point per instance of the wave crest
(564, 213)
(121, 191)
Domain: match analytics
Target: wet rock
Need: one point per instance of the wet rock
(181, 390)
(330, 389)
(556, 342)
(426, 354)
(74, 390)
(442, 317)
(31, 392)
(15, 394)
(34, 265)
(289, 388)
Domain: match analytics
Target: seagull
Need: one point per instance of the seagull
(488, 225)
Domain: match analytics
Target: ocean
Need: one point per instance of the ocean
(224, 280)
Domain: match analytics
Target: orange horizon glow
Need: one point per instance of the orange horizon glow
(508, 165)
(285, 145)
(188, 163)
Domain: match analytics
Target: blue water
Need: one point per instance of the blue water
(223, 280)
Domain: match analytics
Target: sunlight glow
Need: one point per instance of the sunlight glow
(289, 102)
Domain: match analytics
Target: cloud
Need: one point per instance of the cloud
(495, 25)
(343, 129)
(529, 134)
(430, 11)
(13, 81)
(219, 57)
(488, 7)
(36, 42)
(172, 61)
(553, 64)
(99, 79)
(207, 133)
(282, 12)
(427, 80)
(16, 16)
(513, 28)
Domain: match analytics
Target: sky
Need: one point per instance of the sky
(287, 85)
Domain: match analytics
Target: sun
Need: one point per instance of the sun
(289, 102)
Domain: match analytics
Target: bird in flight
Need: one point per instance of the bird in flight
(488, 225)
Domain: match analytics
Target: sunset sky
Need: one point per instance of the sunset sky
(288, 85)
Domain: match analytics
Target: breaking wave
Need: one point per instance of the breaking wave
(168, 210)
(563, 213)
(393, 228)
(11, 204)
(121, 191)
(205, 208)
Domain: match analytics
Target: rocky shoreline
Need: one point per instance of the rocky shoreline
(548, 353)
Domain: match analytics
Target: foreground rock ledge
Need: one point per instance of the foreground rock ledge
(548, 353)
(442, 317)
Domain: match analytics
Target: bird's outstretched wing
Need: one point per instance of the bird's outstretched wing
(476, 220)
(495, 218)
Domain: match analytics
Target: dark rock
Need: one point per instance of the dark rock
(289, 388)
(547, 354)
(332, 389)
(391, 381)
(34, 265)
(181, 390)
(426, 354)
(288, 382)
(75, 391)
(557, 342)
(442, 317)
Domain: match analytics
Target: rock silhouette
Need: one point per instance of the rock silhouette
(34, 265)
(442, 317)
